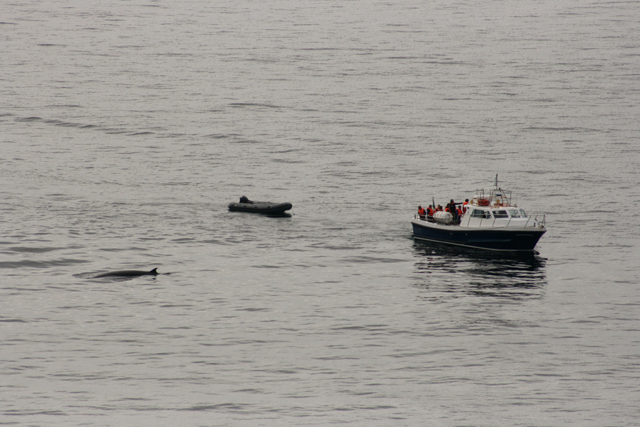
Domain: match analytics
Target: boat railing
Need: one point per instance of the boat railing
(492, 220)
(536, 221)
(427, 218)
(500, 196)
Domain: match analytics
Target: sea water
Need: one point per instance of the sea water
(126, 128)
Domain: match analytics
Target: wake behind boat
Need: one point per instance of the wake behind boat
(486, 222)
(269, 208)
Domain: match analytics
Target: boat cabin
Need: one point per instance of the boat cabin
(481, 216)
(495, 211)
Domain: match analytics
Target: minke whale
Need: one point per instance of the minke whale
(129, 273)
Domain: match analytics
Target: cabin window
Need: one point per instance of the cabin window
(477, 213)
(515, 213)
(500, 214)
(523, 214)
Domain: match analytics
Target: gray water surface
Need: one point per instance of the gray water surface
(126, 128)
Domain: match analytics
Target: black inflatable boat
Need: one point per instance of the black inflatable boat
(270, 208)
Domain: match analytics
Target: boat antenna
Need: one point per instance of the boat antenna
(496, 181)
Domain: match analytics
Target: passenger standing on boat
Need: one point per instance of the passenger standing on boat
(439, 208)
(430, 211)
(421, 212)
(464, 205)
(451, 207)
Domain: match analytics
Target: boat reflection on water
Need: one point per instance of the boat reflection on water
(448, 269)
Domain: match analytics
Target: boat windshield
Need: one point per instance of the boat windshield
(515, 213)
(523, 214)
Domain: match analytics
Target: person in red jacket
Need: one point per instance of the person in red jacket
(430, 211)
(421, 212)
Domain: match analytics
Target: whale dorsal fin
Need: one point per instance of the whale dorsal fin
(154, 271)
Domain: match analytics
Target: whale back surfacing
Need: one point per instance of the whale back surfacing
(129, 273)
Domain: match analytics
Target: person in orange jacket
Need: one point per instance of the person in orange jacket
(451, 207)
(421, 212)
(430, 210)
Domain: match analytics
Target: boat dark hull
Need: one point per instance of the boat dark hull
(496, 239)
(261, 207)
